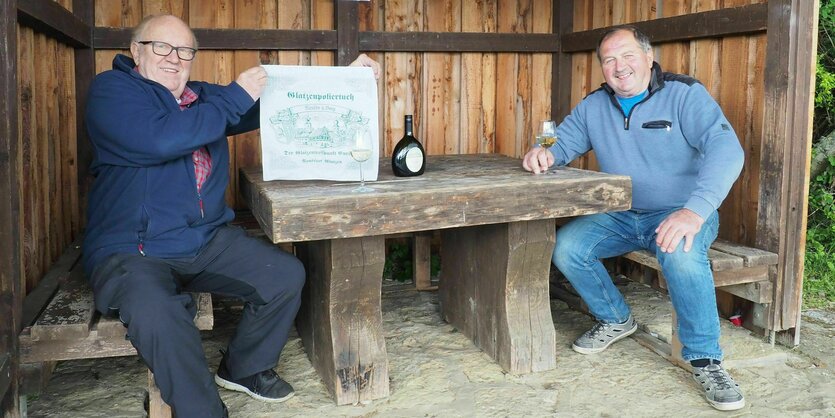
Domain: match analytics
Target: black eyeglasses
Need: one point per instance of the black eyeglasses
(164, 49)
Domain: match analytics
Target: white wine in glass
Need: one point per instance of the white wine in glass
(361, 152)
(547, 135)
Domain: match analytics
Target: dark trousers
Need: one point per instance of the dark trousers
(147, 294)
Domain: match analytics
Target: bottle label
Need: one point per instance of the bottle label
(414, 159)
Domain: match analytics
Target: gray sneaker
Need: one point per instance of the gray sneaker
(721, 391)
(601, 336)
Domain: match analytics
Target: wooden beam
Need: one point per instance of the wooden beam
(238, 39)
(47, 16)
(711, 24)
(561, 63)
(458, 42)
(85, 70)
(347, 31)
(10, 237)
(786, 148)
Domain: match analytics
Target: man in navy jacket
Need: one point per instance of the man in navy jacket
(667, 133)
(157, 221)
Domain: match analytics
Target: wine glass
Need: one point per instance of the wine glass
(546, 137)
(361, 152)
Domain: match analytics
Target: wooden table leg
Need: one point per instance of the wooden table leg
(494, 289)
(340, 321)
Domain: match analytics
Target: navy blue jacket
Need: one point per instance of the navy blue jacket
(144, 198)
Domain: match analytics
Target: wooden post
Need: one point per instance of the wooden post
(347, 32)
(561, 82)
(786, 132)
(340, 321)
(422, 260)
(11, 299)
(494, 289)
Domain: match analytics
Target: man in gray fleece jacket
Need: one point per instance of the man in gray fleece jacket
(667, 133)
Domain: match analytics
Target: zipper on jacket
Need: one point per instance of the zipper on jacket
(200, 202)
(141, 248)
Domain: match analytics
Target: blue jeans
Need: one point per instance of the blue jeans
(583, 242)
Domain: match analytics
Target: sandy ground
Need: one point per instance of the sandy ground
(437, 372)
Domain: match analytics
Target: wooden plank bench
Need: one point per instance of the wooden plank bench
(739, 270)
(70, 328)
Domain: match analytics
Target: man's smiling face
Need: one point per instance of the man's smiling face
(170, 70)
(626, 67)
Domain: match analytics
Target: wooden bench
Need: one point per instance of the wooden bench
(69, 328)
(739, 270)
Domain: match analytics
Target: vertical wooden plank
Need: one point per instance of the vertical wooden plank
(322, 17)
(784, 176)
(540, 72)
(507, 76)
(27, 154)
(704, 53)
(370, 16)
(403, 73)
(472, 14)
(54, 145)
(294, 14)
(734, 100)
(43, 67)
(67, 130)
(81, 64)
(561, 70)
(347, 32)
(674, 56)
(422, 260)
(487, 144)
(10, 291)
(173, 7)
(523, 126)
(441, 83)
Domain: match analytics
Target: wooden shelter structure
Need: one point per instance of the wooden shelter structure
(476, 75)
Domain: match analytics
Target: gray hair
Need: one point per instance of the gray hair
(642, 38)
(136, 34)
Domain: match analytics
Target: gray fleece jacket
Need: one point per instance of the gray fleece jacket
(676, 144)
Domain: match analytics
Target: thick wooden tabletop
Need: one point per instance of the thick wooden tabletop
(454, 191)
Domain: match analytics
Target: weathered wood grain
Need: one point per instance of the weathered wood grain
(750, 256)
(784, 172)
(455, 191)
(340, 321)
(70, 313)
(494, 290)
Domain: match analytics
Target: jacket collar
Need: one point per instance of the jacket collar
(126, 64)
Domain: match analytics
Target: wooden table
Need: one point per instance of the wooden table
(498, 233)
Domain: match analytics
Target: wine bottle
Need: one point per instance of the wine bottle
(408, 158)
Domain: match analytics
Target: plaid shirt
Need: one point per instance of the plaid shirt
(202, 159)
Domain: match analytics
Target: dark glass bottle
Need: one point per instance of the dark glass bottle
(408, 158)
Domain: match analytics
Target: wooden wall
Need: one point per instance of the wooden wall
(50, 212)
(477, 102)
(731, 68)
